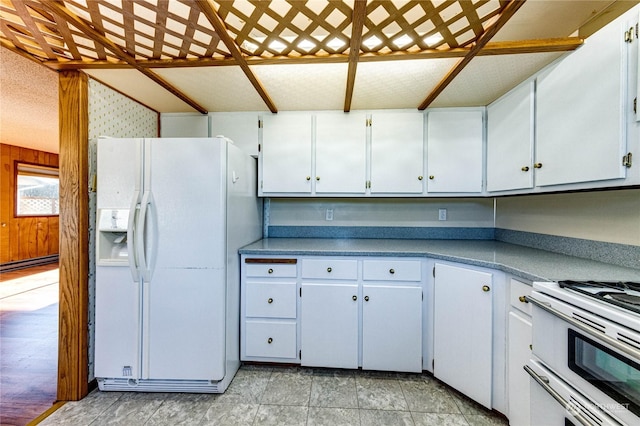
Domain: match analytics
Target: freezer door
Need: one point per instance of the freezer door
(117, 324)
(184, 299)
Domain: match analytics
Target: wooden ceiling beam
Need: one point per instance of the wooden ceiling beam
(357, 25)
(206, 7)
(564, 44)
(90, 31)
(509, 10)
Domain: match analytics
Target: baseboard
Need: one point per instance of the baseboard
(28, 263)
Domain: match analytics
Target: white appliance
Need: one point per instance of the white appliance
(587, 335)
(171, 216)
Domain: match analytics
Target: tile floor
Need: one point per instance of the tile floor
(266, 395)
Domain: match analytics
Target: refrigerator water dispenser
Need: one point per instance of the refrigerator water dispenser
(112, 237)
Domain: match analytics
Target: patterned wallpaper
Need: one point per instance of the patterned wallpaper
(115, 115)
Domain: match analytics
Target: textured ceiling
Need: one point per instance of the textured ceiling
(280, 55)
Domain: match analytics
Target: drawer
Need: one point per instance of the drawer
(276, 270)
(268, 339)
(270, 300)
(517, 292)
(331, 269)
(392, 270)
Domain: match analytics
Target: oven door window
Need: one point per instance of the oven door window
(612, 373)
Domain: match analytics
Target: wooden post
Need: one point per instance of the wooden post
(74, 230)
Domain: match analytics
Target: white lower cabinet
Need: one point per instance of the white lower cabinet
(329, 325)
(463, 331)
(392, 328)
(518, 354)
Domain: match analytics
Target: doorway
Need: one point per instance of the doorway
(29, 300)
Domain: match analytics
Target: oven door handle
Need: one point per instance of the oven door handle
(629, 350)
(544, 382)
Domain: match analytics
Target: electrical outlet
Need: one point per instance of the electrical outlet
(442, 214)
(329, 214)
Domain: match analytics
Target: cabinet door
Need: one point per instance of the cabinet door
(397, 164)
(241, 128)
(510, 140)
(329, 325)
(519, 353)
(580, 113)
(341, 153)
(286, 154)
(454, 151)
(463, 331)
(392, 328)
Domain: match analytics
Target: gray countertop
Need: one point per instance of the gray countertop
(524, 262)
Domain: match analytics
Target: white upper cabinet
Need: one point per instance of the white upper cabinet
(580, 112)
(286, 154)
(397, 153)
(455, 150)
(240, 127)
(341, 153)
(510, 138)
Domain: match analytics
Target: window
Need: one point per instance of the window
(37, 190)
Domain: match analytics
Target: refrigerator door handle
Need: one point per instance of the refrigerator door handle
(144, 228)
(132, 232)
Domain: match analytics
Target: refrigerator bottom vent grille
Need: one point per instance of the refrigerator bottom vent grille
(157, 385)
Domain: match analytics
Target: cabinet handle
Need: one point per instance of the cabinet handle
(486, 288)
(366, 298)
(523, 299)
(420, 177)
(329, 269)
(308, 177)
(318, 178)
(537, 166)
(354, 297)
(270, 271)
(431, 177)
(270, 300)
(269, 340)
(392, 271)
(525, 169)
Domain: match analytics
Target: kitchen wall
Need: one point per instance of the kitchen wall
(380, 218)
(607, 216)
(601, 225)
(115, 115)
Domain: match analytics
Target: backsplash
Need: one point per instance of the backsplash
(379, 218)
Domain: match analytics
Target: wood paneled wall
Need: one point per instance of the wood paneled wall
(24, 238)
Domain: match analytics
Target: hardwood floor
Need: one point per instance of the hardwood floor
(28, 343)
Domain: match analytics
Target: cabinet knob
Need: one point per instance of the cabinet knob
(525, 169)
(270, 300)
(537, 166)
(486, 288)
(318, 178)
(392, 271)
(308, 177)
(329, 269)
(420, 177)
(269, 340)
(523, 299)
(431, 177)
(354, 297)
(366, 298)
(270, 271)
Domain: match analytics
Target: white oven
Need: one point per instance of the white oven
(591, 345)
(554, 402)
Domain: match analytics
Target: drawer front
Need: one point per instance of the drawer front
(517, 293)
(392, 270)
(266, 339)
(338, 269)
(270, 300)
(270, 270)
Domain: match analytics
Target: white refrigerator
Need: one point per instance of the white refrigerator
(171, 215)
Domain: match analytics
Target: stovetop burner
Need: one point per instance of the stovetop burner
(620, 293)
(630, 299)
